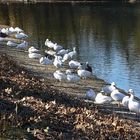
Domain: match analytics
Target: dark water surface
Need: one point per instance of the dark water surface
(108, 36)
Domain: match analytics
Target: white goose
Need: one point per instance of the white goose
(34, 55)
(57, 47)
(73, 53)
(108, 89)
(32, 49)
(74, 64)
(18, 30)
(133, 105)
(21, 35)
(102, 99)
(50, 52)
(117, 95)
(45, 61)
(62, 52)
(72, 77)
(83, 73)
(49, 43)
(70, 55)
(5, 31)
(22, 45)
(125, 101)
(11, 44)
(90, 94)
(11, 31)
(59, 75)
(58, 62)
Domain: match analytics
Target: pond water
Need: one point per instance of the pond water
(107, 36)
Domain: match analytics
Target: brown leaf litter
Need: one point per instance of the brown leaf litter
(30, 106)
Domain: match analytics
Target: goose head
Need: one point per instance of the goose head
(74, 49)
(113, 84)
(131, 92)
(88, 67)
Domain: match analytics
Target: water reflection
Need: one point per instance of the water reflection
(106, 36)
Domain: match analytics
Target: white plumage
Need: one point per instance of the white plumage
(49, 43)
(62, 52)
(58, 62)
(34, 55)
(72, 77)
(5, 31)
(74, 64)
(108, 89)
(11, 44)
(125, 101)
(70, 55)
(133, 105)
(57, 47)
(22, 45)
(59, 75)
(21, 35)
(90, 94)
(32, 49)
(84, 73)
(102, 99)
(45, 61)
(116, 95)
(18, 30)
(11, 31)
(50, 52)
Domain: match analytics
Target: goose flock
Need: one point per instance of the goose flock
(59, 57)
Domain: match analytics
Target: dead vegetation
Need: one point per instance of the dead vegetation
(41, 112)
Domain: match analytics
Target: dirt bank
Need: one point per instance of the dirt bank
(42, 112)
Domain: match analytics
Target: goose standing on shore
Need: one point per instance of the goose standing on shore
(133, 105)
(58, 62)
(125, 101)
(117, 95)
